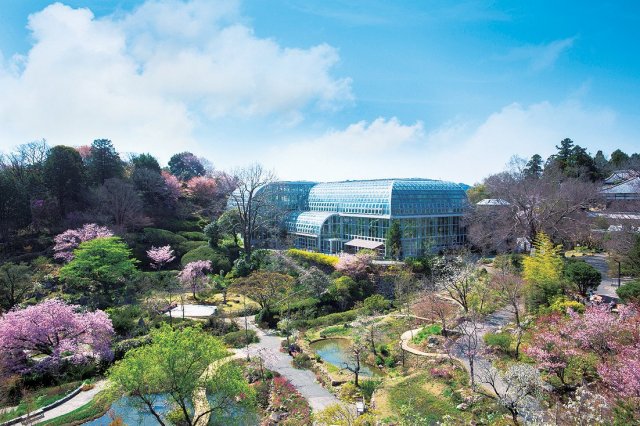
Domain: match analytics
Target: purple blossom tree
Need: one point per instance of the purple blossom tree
(194, 275)
(56, 330)
(70, 239)
(160, 256)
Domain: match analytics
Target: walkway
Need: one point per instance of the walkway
(406, 337)
(74, 403)
(609, 284)
(303, 380)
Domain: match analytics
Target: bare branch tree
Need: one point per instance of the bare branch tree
(251, 206)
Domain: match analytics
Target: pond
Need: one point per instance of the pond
(336, 352)
(132, 414)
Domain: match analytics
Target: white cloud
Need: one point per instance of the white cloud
(147, 79)
(458, 151)
(540, 56)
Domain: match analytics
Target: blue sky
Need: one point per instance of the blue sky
(324, 90)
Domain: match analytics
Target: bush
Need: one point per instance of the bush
(441, 373)
(583, 275)
(368, 387)
(302, 361)
(376, 303)
(238, 339)
(219, 261)
(500, 341)
(629, 292)
(122, 347)
(561, 304)
(193, 236)
(349, 392)
(327, 320)
(508, 262)
(187, 246)
(161, 237)
(319, 258)
(125, 319)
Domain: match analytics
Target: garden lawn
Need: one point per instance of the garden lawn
(40, 398)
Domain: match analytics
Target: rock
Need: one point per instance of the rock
(462, 406)
(433, 340)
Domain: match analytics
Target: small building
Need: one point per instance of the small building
(622, 185)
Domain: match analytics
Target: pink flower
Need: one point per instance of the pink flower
(160, 256)
(70, 239)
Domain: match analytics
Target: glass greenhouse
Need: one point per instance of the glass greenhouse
(348, 216)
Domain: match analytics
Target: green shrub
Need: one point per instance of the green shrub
(349, 392)
(219, 262)
(125, 319)
(376, 303)
(629, 292)
(508, 262)
(187, 246)
(193, 235)
(583, 275)
(425, 332)
(238, 339)
(561, 304)
(500, 341)
(302, 361)
(319, 258)
(161, 237)
(327, 320)
(176, 225)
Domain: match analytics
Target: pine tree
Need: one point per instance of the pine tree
(394, 240)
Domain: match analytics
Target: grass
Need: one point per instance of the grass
(40, 398)
(425, 332)
(92, 410)
(235, 303)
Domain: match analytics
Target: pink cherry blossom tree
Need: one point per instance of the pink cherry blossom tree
(57, 331)
(194, 275)
(356, 266)
(160, 256)
(70, 239)
(173, 185)
(202, 188)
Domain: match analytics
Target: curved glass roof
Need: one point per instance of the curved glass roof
(307, 223)
(388, 197)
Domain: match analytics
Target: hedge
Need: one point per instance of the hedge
(327, 320)
(161, 237)
(219, 262)
(238, 339)
(193, 236)
(319, 258)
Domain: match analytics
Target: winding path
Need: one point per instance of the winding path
(74, 403)
(303, 380)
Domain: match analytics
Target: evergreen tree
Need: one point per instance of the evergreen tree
(185, 166)
(103, 162)
(64, 175)
(394, 240)
(618, 159)
(534, 166)
(146, 161)
(564, 152)
(602, 165)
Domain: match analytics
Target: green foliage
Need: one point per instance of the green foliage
(583, 275)
(376, 303)
(211, 232)
(632, 259)
(327, 320)
(187, 246)
(368, 387)
(545, 264)
(477, 193)
(543, 294)
(98, 406)
(193, 235)
(345, 291)
(238, 339)
(125, 319)
(318, 258)
(219, 261)
(500, 341)
(100, 270)
(64, 175)
(349, 392)
(103, 162)
(173, 363)
(629, 292)
(146, 161)
(302, 361)
(15, 284)
(425, 332)
(161, 237)
(561, 304)
(509, 262)
(394, 240)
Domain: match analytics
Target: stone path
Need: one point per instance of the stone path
(303, 380)
(406, 337)
(74, 403)
(609, 284)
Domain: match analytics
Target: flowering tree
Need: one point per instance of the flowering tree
(194, 275)
(174, 188)
(56, 330)
(160, 256)
(70, 239)
(552, 346)
(202, 188)
(356, 266)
